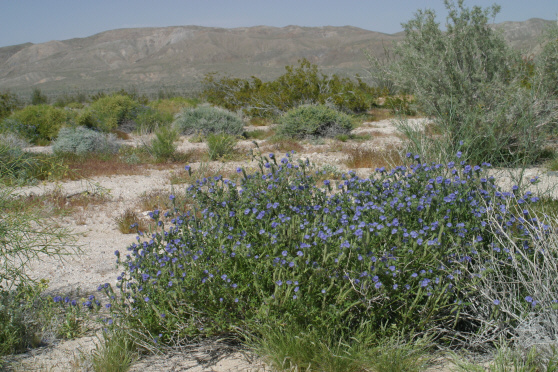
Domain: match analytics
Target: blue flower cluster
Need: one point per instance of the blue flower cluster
(392, 246)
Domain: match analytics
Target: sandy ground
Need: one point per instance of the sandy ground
(99, 237)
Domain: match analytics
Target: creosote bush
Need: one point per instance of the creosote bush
(314, 121)
(208, 119)
(39, 124)
(109, 112)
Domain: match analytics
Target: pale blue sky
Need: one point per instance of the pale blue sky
(38, 21)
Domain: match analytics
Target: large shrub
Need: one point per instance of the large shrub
(39, 124)
(109, 112)
(300, 85)
(83, 141)
(389, 251)
(314, 121)
(8, 103)
(473, 86)
(207, 119)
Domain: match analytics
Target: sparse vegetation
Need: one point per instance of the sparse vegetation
(83, 141)
(313, 122)
(207, 119)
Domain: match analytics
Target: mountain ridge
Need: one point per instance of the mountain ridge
(177, 57)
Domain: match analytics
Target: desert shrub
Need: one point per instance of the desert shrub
(18, 167)
(109, 112)
(38, 98)
(162, 146)
(220, 145)
(388, 252)
(207, 119)
(39, 124)
(8, 103)
(172, 106)
(299, 85)
(148, 119)
(24, 237)
(472, 84)
(83, 141)
(400, 105)
(13, 140)
(314, 121)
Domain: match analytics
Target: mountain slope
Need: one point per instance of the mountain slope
(178, 57)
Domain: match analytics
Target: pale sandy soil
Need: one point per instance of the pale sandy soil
(99, 237)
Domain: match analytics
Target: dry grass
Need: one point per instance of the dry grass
(56, 203)
(97, 166)
(378, 114)
(130, 222)
(362, 157)
(282, 145)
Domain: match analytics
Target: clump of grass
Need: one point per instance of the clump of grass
(221, 146)
(354, 137)
(363, 157)
(114, 353)
(129, 222)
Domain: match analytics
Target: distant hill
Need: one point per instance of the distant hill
(177, 58)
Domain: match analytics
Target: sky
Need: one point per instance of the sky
(39, 21)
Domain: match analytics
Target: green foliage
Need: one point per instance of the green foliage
(115, 353)
(24, 238)
(473, 86)
(546, 63)
(38, 98)
(83, 141)
(298, 86)
(314, 121)
(172, 106)
(207, 119)
(109, 112)
(8, 103)
(220, 145)
(20, 315)
(148, 119)
(75, 100)
(400, 105)
(162, 146)
(39, 124)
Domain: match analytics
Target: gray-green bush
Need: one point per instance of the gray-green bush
(473, 86)
(82, 141)
(208, 119)
(314, 121)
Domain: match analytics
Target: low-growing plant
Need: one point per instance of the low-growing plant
(18, 167)
(314, 121)
(220, 145)
(115, 352)
(83, 141)
(207, 119)
(399, 251)
(129, 222)
(163, 147)
(365, 157)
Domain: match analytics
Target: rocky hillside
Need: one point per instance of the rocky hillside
(149, 59)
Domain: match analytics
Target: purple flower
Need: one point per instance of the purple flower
(496, 302)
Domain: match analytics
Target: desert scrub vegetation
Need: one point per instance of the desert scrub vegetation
(25, 315)
(207, 119)
(38, 124)
(415, 245)
(309, 121)
(83, 141)
(474, 86)
(108, 112)
(302, 84)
